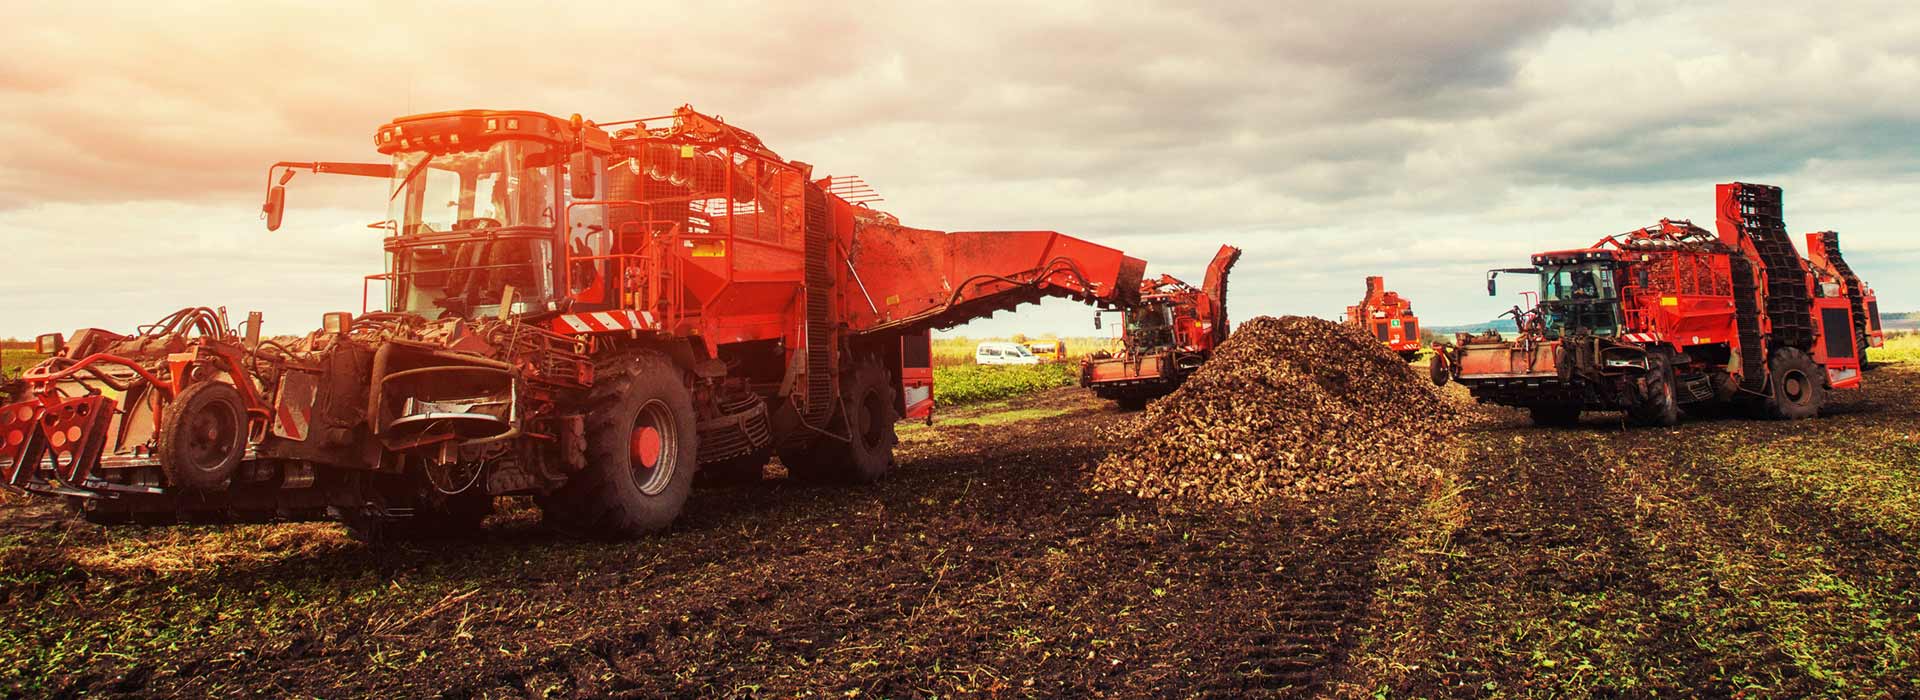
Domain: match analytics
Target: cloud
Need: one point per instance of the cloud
(1333, 140)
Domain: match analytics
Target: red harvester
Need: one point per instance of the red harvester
(1672, 316)
(583, 313)
(1829, 268)
(1164, 337)
(1389, 317)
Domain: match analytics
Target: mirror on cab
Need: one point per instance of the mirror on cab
(50, 344)
(276, 206)
(580, 173)
(1096, 320)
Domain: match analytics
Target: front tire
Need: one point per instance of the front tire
(866, 416)
(1795, 387)
(641, 451)
(1660, 407)
(202, 437)
(1438, 371)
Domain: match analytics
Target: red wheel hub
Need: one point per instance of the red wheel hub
(646, 446)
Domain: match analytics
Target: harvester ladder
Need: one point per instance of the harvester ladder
(1746, 314)
(1789, 305)
(819, 299)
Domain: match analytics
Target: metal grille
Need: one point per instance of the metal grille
(1836, 328)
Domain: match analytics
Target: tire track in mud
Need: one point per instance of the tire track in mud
(1310, 617)
(798, 598)
(1121, 596)
(1542, 525)
(1703, 557)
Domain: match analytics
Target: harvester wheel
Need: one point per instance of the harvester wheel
(641, 450)
(1661, 405)
(203, 436)
(867, 416)
(1555, 416)
(1437, 369)
(1131, 402)
(1795, 390)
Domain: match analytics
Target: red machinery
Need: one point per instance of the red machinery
(1389, 317)
(585, 313)
(1167, 335)
(1823, 256)
(1668, 316)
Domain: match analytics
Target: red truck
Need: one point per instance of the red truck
(584, 313)
(1673, 317)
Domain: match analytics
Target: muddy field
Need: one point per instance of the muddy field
(1730, 557)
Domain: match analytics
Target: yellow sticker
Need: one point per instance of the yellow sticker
(686, 151)
(709, 249)
(1669, 301)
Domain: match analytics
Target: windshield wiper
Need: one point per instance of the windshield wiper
(402, 187)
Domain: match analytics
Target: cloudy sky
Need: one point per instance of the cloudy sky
(1423, 141)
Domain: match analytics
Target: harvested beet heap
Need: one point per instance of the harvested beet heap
(1287, 407)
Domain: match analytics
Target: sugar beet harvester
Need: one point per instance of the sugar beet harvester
(1672, 316)
(1165, 335)
(583, 313)
(1389, 317)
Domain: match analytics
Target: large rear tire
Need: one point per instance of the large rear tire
(641, 452)
(1795, 386)
(1660, 407)
(203, 436)
(866, 416)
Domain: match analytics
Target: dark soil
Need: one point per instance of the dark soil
(983, 566)
(1721, 558)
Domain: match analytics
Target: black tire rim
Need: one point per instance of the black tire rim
(1794, 386)
(210, 435)
(654, 447)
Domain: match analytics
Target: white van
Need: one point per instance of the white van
(1003, 354)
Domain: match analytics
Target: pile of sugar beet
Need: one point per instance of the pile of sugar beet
(1287, 407)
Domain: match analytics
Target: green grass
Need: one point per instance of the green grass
(958, 350)
(1901, 346)
(988, 414)
(960, 385)
(13, 362)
